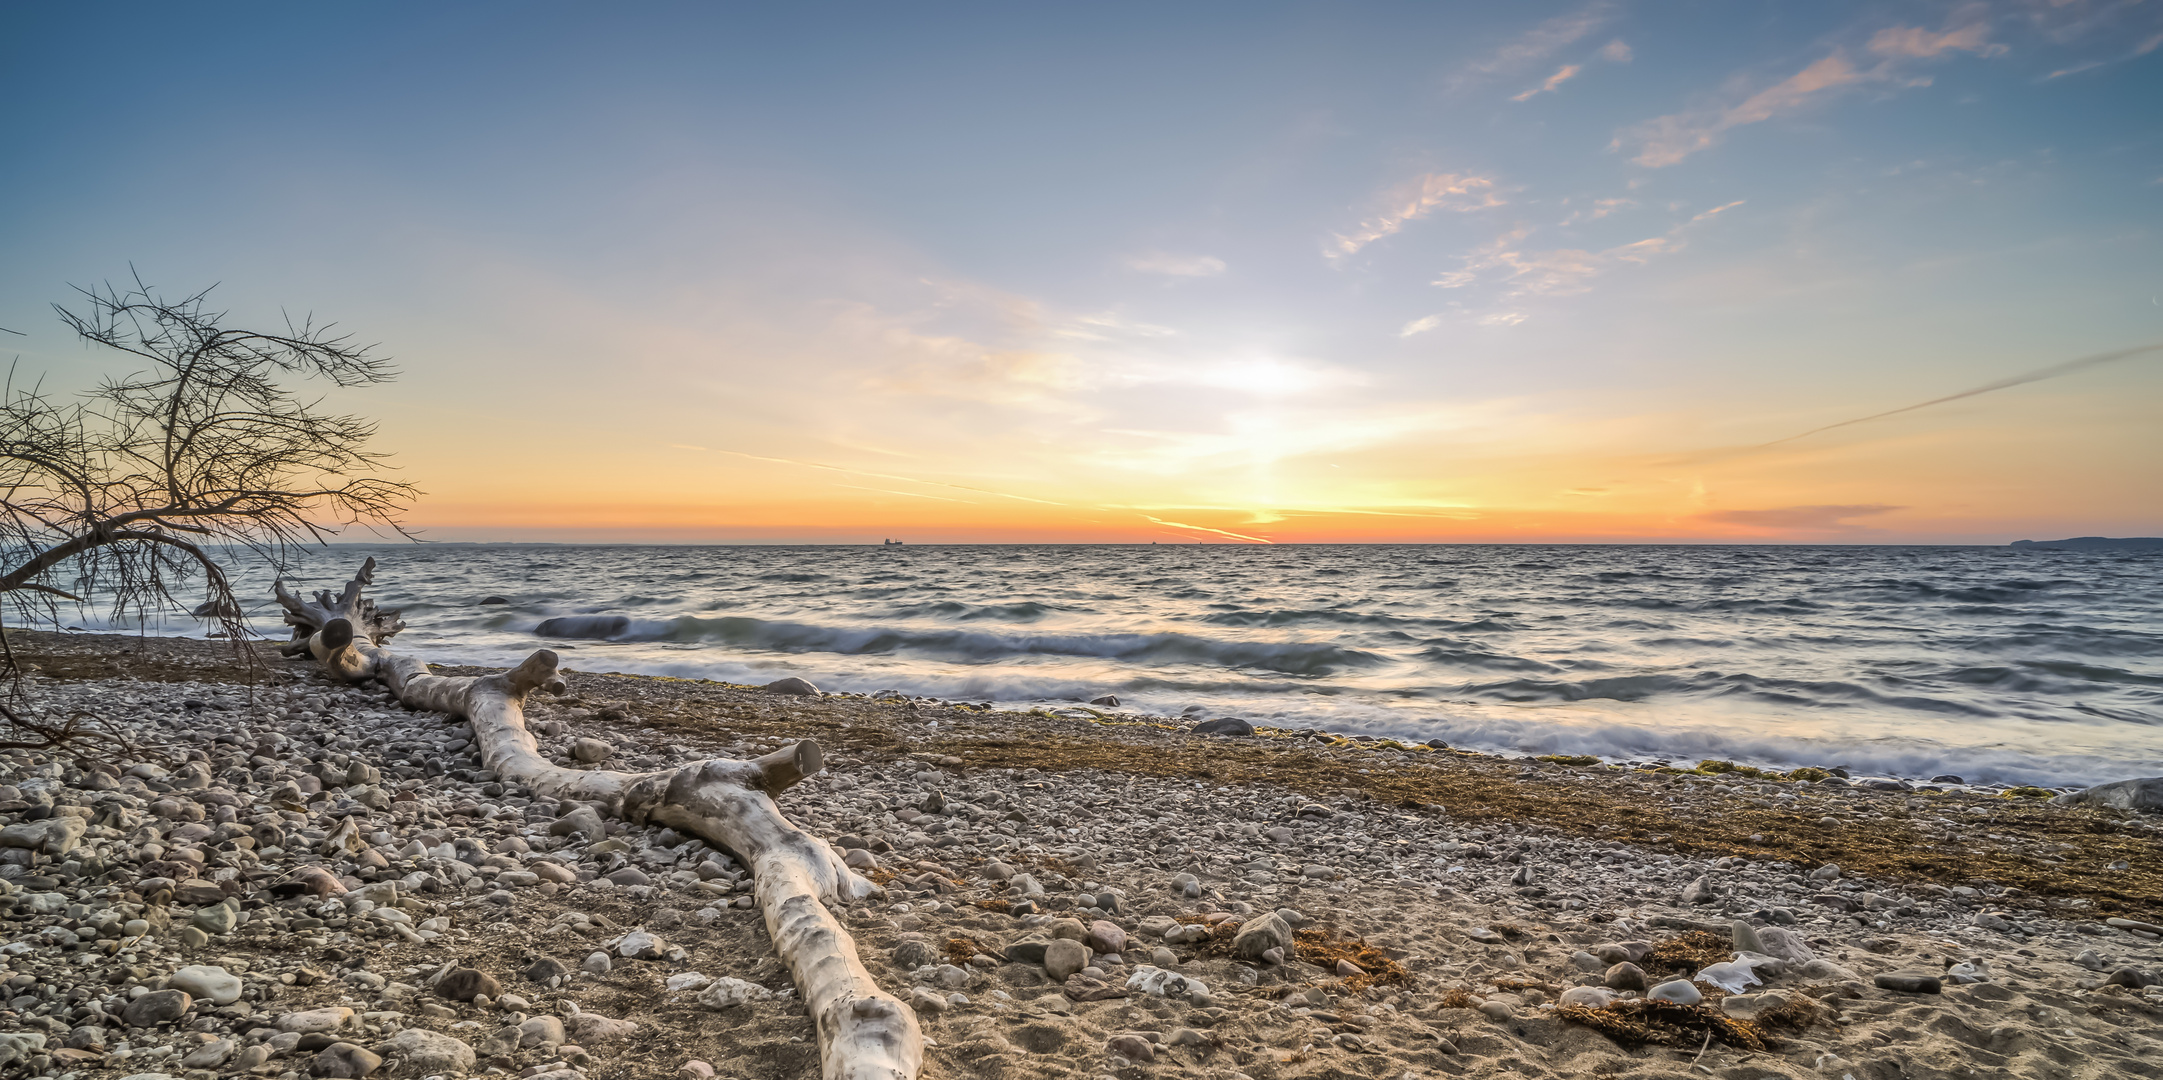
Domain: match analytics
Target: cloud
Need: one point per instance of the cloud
(1420, 326)
(1415, 200)
(1617, 51)
(1667, 140)
(1814, 518)
(1568, 72)
(1537, 44)
(1157, 262)
(1917, 42)
(1561, 271)
(1600, 208)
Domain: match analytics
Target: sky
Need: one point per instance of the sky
(1128, 273)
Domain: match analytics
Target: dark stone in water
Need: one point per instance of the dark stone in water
(1947, 779)
(1228, 725)
(492, 600)
(1908, 982)
(584, 626)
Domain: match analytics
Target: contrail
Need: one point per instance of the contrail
(2038, 375)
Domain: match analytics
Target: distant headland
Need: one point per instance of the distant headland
(2095, 543)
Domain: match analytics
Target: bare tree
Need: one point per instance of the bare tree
(135, 487)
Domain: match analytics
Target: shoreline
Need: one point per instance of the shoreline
(1488, 882)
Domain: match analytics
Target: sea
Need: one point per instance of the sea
(1997, 665)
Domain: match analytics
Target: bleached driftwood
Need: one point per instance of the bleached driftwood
(864, 1034)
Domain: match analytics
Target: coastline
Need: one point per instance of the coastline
(1482, 880)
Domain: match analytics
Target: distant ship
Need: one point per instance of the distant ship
(890, 543)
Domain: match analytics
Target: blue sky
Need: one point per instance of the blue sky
(1329, 272)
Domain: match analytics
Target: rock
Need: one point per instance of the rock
(694, 1070)
(1021, 952)
(1157, 982)
(927, 1001)
(1109, 701)
(1105, 936)
(1746, 937)
(1747, 1006)
(1785, 944)
(1163, 957)
(210, 1055)
(1626, 976)
(249, 1058)
(860, 859)
(596, 963)
(541, 1031)
(344, 1061)
(591, 751)
(1134, 1048)
(157, 1007)
(587, 1028)
(1231, 726)
(1968, 972)
(420, 1052)
(727, 993)
(2144, 795)
(583, 821)
(1827, 872)
(205, 981)
(1587, 997)
(1947, 778)
(1699, 891)
(1064, 957)
(1069, 929)
(793, 687)
(913, 953)
(1991, 920)
(639, 945)
(465, 984)
(1499, 1011)
(1620, 952)
(315, 1021)
(1909, 982)
(997, 871)
(1259, 935)
(548, 971)
(55, 835)
(216, 919)
(1679, 991)
(1187, 885)
(492, 601)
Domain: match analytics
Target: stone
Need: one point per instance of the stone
(591, 751)
(913, 953)
(54, 836)
(548, 971)
(1109, 701)
(206, 981)
(1827, 872)
(582, 821)
(1626, 976)
(1679, 991)
(1105, 936)
(344, 1061)
(1746, 937)
(589, 1028)
(793, 687)
(216, 919)
(157, 1007)
(927, 1001)
(1064, 957)
(1163, 957)
(1259, 935)
(210, 1055)
(420, 1052)
(727, 993)
(1134, 1048)
(1069, 929)
(639, 945)
(1498, 1011)
(1187, 885)
(1699, 891)
(596, 963)
(1909, 982)
(465, 984)
(860, 859)
(694, 1069)
(1785, 944)
(541, 1031)
(2143, 795)
(314, 1021)
(1587, 997)
(1231, 726)
(1748, 1006)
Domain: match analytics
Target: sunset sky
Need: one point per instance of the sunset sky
(1333, 272)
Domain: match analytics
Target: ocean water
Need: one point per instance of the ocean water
(1996, 664)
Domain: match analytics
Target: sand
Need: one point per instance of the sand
(1473, 887)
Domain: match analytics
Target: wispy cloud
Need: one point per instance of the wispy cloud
(1560, 271)
(1668, 140)
(1414, 200)
(1206, 529)
(1617, 51)
(1600, 208)
(1537, 44)
(1809, 518)
(1420, 326)
(1192, 266)
(1568, 72)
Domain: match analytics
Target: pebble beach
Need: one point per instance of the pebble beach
(257, 872)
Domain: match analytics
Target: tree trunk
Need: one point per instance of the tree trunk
(864, 1033)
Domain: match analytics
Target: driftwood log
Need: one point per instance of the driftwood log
(864, 1033)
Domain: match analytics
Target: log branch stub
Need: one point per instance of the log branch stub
(864, 1033)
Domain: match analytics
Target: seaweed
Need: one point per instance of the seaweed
(1323, 947)
(1639, 1021)
(1689, 952)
